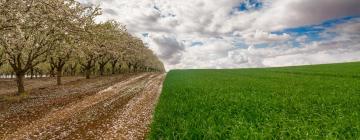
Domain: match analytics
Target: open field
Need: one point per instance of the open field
(116, 107)
(304, 102)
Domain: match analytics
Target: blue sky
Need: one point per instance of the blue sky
(313, 31)
(242, 33)
(249, 5)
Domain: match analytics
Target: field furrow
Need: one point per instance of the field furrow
(93, 116)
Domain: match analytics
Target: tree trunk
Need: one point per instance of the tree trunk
(87, 67)
(20, 82)
(58, 76)
(129, 68)
(135, 68)
(52, 73)
(59, 69)
(113, 68)
(87, 73)
(119, 68)
(31, 73)
(101, 69)
(36, 73)
(73, 72)
(73, 69)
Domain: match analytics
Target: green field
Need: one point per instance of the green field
(304, 102)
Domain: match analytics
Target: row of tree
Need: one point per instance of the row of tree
(63, 34)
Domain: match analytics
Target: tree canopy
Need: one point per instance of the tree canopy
(61, 36)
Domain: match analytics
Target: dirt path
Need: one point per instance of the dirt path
(40, 102)
(134, 120)
(120, 111)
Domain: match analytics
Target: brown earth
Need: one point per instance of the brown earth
(118, 107)
(8, 86)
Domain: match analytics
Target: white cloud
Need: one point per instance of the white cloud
(302, 38)
(168, 48)
(282, 14)
(259, 37)
(349, 31)
(232, 57)
(174, 25)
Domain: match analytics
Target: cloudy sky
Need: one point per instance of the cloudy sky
(241, 33)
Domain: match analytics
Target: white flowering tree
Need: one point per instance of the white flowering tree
(112, 33)
(30, 30)
(70, 26)
(91, 47)
(63, 33)
(27, 29)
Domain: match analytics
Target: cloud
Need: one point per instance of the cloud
(349, 31)
(230, 36)
(232, 57)
(110, 11)
(282, 14)
(168, 48)
(301, 39)
(259, 37)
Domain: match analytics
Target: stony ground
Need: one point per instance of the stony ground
(118, 107)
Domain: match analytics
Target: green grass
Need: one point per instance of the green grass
(304, 102)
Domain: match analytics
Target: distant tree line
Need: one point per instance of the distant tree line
(61, 37)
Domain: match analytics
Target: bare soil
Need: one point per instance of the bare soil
(117, 107)
(8, 86)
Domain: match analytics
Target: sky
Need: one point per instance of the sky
(191, 34)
